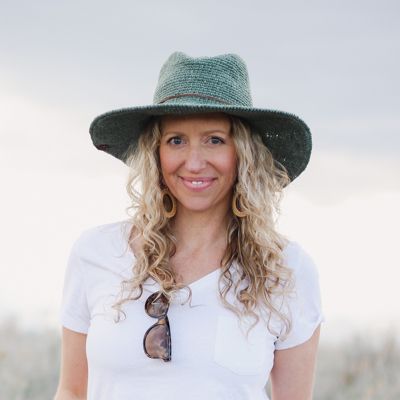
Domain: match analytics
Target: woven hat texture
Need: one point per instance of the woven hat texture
(190, 85)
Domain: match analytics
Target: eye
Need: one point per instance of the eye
(218, 138)
(173, 138)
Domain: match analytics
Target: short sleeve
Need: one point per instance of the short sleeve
(304, 305)
(74, 310)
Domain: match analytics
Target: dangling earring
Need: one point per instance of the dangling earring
(235, 209)
(171, 203)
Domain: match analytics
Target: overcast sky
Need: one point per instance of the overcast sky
(333, 63)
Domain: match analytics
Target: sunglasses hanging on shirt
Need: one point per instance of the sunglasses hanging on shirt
(157, 339)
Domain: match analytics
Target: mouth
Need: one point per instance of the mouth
(197, 183)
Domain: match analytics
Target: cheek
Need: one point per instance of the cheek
(228, 164)
(166, 161)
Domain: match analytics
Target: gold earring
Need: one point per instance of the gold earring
(166, 195)
(235, 209)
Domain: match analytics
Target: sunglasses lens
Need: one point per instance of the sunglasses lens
(156, 307)
(157, 342)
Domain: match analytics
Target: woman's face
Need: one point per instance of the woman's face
(198, 148)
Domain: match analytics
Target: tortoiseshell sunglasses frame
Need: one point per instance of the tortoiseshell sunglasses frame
(162, 320)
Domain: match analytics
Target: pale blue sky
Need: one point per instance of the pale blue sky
(334, 64)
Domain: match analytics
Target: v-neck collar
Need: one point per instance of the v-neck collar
(198, 283)
(204, 279)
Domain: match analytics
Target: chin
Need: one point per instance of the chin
(192, 206)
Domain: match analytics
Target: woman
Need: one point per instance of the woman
(196, 296)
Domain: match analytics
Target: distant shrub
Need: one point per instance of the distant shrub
(364, 368)
(29, 362)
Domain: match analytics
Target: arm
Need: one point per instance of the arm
(292, 376)
(74, 371)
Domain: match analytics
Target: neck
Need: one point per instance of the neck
(197, 231)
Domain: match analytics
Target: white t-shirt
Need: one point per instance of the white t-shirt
(211, 358)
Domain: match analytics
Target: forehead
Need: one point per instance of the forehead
(188, 122)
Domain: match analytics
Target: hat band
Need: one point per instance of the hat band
(203, 96)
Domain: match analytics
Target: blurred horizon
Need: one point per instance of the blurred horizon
(335, 65)
(346, 370)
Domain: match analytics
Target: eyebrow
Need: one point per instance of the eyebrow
(202, 133)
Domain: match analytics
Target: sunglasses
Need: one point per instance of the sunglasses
(157, 339)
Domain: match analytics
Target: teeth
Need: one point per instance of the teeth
(196, 182)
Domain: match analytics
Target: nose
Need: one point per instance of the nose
(195, 159)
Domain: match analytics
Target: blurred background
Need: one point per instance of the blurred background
(333, 63)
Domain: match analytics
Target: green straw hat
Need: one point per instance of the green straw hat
(189, 85)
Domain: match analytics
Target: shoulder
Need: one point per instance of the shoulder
(303, 305)
(104, 236)
(297, 258)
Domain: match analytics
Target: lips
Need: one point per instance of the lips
(205, 183)
(202, 179)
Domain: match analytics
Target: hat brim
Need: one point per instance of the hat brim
(285, 134)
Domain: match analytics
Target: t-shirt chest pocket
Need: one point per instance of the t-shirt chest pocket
(232, 350)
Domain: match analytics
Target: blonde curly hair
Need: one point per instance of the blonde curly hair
(252, 241)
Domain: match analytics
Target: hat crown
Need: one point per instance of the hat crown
(221, 79)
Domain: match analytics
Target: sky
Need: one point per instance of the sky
(334, 64)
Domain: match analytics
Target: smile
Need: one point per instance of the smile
(197, 185)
